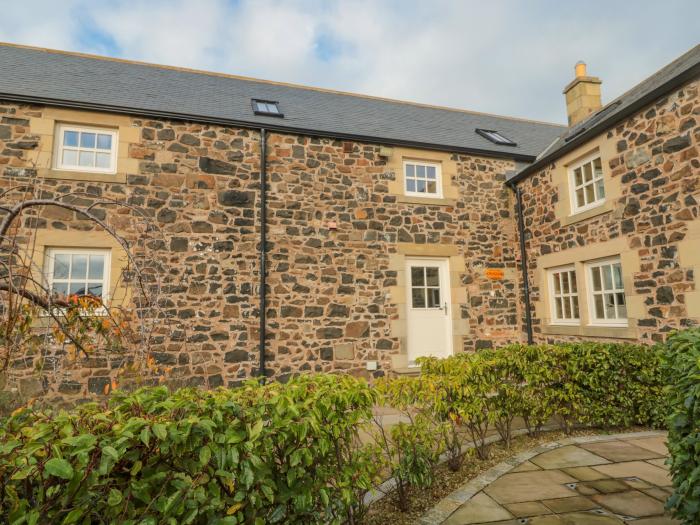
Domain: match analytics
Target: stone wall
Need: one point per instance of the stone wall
(333, 227)
(652, 170)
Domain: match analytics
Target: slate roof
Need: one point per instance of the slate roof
(681, 70)
(74, 80)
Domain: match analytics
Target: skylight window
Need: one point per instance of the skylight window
(266, 107)
(495, 137)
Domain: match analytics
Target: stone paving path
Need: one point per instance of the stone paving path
(596, 480)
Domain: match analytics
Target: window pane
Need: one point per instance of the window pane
(61, 265)
(420, 172)
(430, 172)
(600, 188)
(598, 302)
(557, 283)
(617, 274)
(79, 268)
(580, 201)
(572, 276)
(432, 187)
(97, 267)
(418, 297)
(60, 288)
(104, 141)
(587, 172)
(565, 282)
(590, 194)
(574, 300)
(595, 274)
(410, 185)
(70, 138)
(103, 160)
(70, 158)
(597, 168)
(77, 289)
(87, 158)
(578, 178)
(610, 306)
(607, 277)
(87, 140)
(567, 309)
(95, 289)
(417, 276)
(420, 186)
(434, 298)
(410, 171)
(621, 308)
(559, 309)
(432, 276)
(620, 298)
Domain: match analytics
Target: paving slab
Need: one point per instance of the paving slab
(606, 486)
(632, 503)
(480, 509)
(657, 520)
(620, 451)
(572, 504)
(656, 444)
(527, 509)
(530, 486)
(584, 473)
(570, 456)
(526, 466)
(638, 469)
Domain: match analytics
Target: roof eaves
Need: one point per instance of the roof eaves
(268, 126)
(605, 124)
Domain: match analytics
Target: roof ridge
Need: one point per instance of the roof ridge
(273, 82)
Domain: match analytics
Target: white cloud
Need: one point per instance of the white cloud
(505, 57)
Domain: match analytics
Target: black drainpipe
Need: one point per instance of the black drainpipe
(523, 258)
(263, 249)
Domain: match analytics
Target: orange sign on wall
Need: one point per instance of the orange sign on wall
(495, 274)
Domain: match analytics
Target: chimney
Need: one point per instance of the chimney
(582, 95)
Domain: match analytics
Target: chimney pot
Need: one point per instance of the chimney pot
(580, 69)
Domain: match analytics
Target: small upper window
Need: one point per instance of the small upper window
(587, 184)
(78, 272)
(86, 149)
(495, 137)
(422, 179)
(606, 292)
(266, 107)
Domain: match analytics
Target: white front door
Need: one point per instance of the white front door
(429, 319)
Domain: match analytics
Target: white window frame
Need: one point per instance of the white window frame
(553, 273)
(59, 147)
(575, 208)
(52, 251)
(591, 293)
(438, 179)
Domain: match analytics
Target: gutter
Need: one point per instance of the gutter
(602, 126)
(272, 127)
(263, 252)
(523, 258)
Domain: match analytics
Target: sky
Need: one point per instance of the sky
(508, 57)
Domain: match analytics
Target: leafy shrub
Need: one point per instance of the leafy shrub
(259, 454)
(682, 366)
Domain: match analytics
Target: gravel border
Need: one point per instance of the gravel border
(459, 497)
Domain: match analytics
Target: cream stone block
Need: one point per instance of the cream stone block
(427, 250)
(398, 326)
(458, 264)
(398, 294)
(41, 126)
(86, 117)
(397, 262)
(129, 134)
(459, 296)
(460, 327)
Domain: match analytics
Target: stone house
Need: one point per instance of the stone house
(385, 230)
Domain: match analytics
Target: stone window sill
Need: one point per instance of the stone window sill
(432, 201)
(582, 216)
(609, 332)
(82, 176)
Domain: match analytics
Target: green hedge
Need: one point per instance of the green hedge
(257, 454)
(682, 364)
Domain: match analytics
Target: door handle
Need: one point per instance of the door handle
(445, 307)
